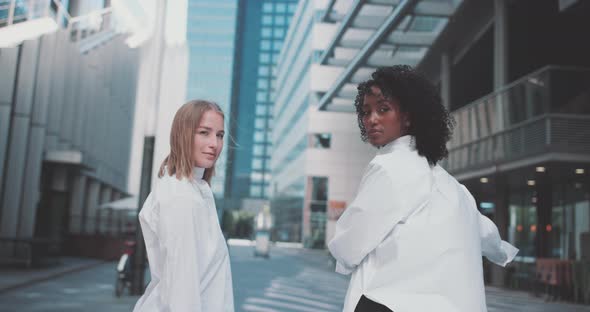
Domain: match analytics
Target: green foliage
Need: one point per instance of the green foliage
(238, 224)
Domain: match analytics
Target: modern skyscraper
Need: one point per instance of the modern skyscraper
(210, 38)
(261, 29)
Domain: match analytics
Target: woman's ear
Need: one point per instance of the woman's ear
(406, 121)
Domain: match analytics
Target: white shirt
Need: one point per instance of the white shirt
(413, 237)
(188, 256)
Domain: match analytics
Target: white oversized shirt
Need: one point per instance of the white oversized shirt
(188, 256)
(413, 238)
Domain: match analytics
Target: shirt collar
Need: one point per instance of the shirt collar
(198, 173)
(406, 142)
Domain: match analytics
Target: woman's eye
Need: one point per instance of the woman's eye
(203, 132)
(220, 136)
(383, 109)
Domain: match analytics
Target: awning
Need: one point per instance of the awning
(129, 203)
(375, 33)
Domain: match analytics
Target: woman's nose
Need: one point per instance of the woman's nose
(372, 118)
(213, 142)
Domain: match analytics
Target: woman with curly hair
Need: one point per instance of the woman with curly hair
(412, 237)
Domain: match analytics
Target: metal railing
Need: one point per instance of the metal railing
(557, 133)
(546, 110)
(80, 27)
(551, 89)
(18, 11)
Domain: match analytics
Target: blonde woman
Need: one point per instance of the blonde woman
(188, 257)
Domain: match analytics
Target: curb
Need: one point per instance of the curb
(50, 276)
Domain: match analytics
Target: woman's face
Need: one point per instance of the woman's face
(208, 139)
(382, 118)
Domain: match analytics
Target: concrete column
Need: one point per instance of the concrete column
(34, 158)
(115, 195)
(58, 201)
(81, 105)
(8, 62)
(57, 91)
(500, 44)
(105, 197)
(500, 57)
(77, 203)
(445, 80)
(71, 86)
(544, 195)
(91, 205)
(19, 133)
(498, 274)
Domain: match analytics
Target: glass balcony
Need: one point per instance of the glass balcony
(548, 110)
(19, 11)
(22, 20)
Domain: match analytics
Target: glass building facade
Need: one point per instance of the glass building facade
(261, 30)
(211, 31)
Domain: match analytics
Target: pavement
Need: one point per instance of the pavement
(292, 279)
(18, 277)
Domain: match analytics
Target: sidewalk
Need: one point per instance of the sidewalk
(13, 278)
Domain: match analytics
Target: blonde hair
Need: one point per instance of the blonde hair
(179, 161)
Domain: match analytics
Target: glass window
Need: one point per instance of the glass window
(259, 123)
(256, 177)
(273, 84)
(274, 70)
(258, 136)
(319, 188)
(289, 18)
(569, 230)
(281, 8)
(255, 190)
(265, 45)
(260, 111)
(264, 58)
(263, 71)
(292, 7)
(275, 57)
(280, 20)
(522, 228)
(261, 96)
(267, 8)
(277, 45)
(258, 150)
(267, 20)
(320, 140)
(256, 163)
(266, 32)
(279, 32)
(263, 84)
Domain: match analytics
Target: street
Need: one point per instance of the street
(291, 280)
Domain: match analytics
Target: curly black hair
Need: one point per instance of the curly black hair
(430, 122)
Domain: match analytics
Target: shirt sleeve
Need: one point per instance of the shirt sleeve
(181, 243)
(492, 246)
(379, 205)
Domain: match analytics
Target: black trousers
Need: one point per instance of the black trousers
(368, 305)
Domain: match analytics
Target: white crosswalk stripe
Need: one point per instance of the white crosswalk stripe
(311, 290)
